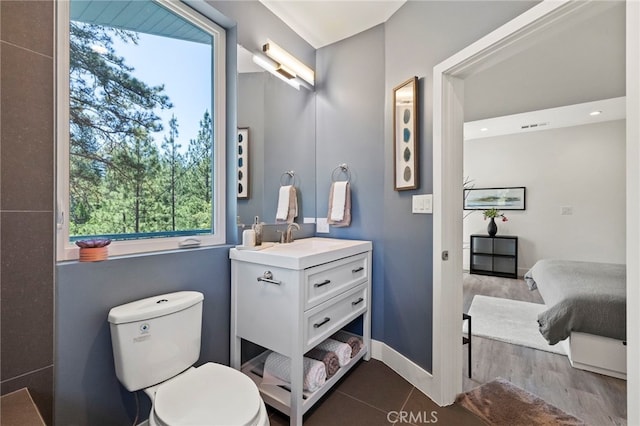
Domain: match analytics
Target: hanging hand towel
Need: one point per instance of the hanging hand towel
(287, 204)
(283, 202)
(339, 204)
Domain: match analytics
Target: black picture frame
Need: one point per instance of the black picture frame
(504, 198)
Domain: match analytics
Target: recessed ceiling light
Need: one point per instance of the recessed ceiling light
(484, 129)
(593, 113)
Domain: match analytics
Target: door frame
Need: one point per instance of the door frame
(539, 22)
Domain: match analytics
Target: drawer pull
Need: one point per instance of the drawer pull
(358, 269)
(321, 323)
(268, 278)
(325, 282)
(360, 300)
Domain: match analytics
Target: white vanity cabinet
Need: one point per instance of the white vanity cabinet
(289, 298)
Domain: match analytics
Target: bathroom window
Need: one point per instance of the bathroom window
(141, 126)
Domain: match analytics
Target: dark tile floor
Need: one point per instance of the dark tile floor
(372, 394)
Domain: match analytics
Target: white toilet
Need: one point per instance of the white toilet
(155, 342)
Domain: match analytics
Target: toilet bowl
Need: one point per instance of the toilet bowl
(211, 394)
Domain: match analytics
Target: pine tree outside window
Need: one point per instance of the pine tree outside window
(141, 126)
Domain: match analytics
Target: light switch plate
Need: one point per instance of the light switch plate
(322, 227)
(422, 204)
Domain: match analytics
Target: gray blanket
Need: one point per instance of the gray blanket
(581, 296)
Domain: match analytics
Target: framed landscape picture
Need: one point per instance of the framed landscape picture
(512, 198)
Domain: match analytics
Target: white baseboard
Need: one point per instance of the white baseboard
(410, 371)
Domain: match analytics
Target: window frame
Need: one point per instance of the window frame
(65, 249)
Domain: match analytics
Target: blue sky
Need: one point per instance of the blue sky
(184, 67)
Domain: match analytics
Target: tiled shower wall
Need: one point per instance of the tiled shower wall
(27, 199)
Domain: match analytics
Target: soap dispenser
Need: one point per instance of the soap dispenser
(257, 228)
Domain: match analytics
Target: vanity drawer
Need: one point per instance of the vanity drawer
(326, 281)
(324, 320)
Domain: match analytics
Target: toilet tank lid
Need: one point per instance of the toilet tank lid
(155, 306)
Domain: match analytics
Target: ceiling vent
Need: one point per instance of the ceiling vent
(534, 125)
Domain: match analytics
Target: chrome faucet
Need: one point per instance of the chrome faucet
(288, 236)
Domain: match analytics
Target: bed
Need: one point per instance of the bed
(586, 311)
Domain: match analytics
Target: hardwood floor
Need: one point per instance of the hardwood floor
(596, 399)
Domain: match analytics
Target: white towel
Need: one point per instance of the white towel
(339, 201)
(341, 349)
(314, 371)
(283, 202)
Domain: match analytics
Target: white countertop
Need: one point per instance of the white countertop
(302, 253)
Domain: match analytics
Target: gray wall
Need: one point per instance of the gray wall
(418, 37)
(26, 199)
(350, 119)
(86, 388)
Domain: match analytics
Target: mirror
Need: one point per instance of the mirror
(281, 131)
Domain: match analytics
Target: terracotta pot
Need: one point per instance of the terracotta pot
(94, 254)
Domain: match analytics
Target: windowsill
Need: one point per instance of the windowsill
(151, 253)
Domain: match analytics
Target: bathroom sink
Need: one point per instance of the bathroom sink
(302, 253)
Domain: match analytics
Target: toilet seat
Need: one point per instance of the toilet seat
(211, 394)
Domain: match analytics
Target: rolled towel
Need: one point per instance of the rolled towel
(341, 349)
(314, 371)
(328, 358)
(354, 342)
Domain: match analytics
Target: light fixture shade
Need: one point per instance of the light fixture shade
(283, 57)
(274, 68)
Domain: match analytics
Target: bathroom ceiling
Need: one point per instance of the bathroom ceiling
(325, 22)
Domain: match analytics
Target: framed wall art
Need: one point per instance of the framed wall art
(243, 162)
(405, 135)
(511, 198)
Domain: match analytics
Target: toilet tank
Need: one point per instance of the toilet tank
(156, 338)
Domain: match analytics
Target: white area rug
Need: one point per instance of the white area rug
(510, 321)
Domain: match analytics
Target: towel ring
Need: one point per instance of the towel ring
(340, 170)
(291, 178)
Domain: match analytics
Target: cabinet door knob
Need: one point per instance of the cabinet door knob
(325, 282)
(358, 269)
(360, 300)
(321, 323)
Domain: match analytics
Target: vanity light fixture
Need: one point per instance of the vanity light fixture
(276, 69)
(289, 61)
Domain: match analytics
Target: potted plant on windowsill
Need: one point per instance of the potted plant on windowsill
(493, 213)
(93, 250)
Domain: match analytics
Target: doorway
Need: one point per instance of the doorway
(448, 118)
